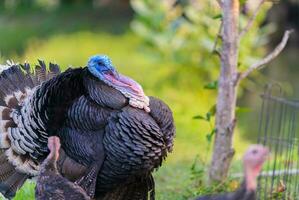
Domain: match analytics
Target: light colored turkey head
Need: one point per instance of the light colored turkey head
(255, 156)
(54, 146)
(253, 161)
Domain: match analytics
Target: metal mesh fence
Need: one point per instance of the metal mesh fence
(279, 130)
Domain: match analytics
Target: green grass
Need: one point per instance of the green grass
(19, 27)
(26, 192)
(181, 87)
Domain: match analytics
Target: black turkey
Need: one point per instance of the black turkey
(253, 161)
(50, 184)
(112, 135)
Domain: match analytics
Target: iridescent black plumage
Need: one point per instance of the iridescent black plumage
(114, 144)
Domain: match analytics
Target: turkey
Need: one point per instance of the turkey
(253, 161)
(50, 184)
(112, 135)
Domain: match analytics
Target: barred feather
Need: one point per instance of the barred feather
(17, 135)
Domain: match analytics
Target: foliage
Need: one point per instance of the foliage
(177, 33)
(209, 118)
(47, 4)
(27, 25)
(199, 181)
(189, 33)
(185, 32)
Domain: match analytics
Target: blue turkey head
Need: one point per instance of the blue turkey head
(100, 65)
(102, 68)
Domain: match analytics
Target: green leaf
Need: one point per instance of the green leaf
(210, 135)
(239, 64)
(213, 110)
(219, 16)
(211, 113)
(208, 116)
(199, 117)
(211, 86)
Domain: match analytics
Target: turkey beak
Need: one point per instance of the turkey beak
(115, 73)
(112, 72)
(124, 82)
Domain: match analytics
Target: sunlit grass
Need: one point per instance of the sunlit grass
(26, 192)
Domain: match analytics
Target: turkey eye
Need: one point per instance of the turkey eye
(254, 151)
(100, 63)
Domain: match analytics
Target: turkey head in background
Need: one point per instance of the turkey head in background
(253, 161)
(50, 184)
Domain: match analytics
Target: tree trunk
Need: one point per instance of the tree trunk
(226, 101)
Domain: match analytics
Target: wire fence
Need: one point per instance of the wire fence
(279, 130)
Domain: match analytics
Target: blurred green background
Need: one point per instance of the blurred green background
(168, 47)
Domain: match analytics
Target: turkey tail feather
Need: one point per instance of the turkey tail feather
(41, 71)
(10, 179)
(18, 77)
(17, 82)
(53, 70)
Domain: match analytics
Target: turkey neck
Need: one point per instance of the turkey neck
(50, 164)
(250, 178)
(52, 99)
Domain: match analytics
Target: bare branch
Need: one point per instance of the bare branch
(251, 20)
(220, 3)
(260, 64)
